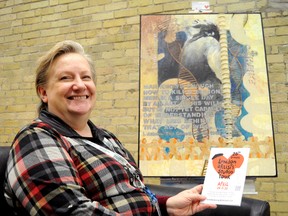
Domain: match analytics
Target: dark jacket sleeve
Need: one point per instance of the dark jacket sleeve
(162, 204)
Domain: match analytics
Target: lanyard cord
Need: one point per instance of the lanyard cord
(136, 181)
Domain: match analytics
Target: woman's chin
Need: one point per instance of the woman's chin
(80, 112)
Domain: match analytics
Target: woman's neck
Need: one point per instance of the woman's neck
(82, 129)
(86, 132)
(80, 125)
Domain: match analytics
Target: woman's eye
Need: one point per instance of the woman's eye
(87, 78)
(64, 78)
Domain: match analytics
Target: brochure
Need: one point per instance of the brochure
(225, 176)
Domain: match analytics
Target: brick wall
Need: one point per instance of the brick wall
(109, 30)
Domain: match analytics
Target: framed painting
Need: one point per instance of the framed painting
(203, 84)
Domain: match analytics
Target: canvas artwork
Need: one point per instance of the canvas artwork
(203, 84)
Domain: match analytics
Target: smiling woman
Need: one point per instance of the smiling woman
(45, 63)
(70, 81)
(63, 164)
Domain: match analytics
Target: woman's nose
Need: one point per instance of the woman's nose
(79, 84)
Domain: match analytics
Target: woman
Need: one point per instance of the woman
(62, 164)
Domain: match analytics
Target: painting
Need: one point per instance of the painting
(203, 83)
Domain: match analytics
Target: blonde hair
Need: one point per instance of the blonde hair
(45, 62)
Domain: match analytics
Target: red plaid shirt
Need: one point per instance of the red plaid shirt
(47, 175)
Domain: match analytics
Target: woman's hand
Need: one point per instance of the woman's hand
(187, 202)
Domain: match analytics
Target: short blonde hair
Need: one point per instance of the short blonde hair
(45, 62)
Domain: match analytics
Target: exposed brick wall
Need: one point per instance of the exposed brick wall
(110, 32)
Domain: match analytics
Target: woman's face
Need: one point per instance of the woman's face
(70, 90)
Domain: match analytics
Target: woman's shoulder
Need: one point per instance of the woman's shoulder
(36, 126)
(40, 132)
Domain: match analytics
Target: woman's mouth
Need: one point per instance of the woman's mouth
(83, 97)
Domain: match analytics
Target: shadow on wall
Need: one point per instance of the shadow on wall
(275, 4)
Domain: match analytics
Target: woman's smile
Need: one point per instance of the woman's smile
(84, 97)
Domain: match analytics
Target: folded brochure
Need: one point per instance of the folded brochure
(225, 176)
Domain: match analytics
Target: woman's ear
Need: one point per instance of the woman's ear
(42, 93)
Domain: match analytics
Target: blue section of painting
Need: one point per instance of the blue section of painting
(166, 133)
(237, 56)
